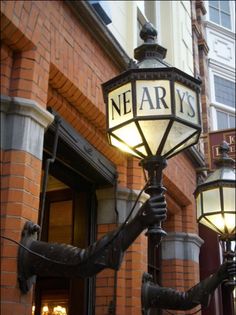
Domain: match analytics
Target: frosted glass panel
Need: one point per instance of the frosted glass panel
(153, 132)
(116, 143)
(211, 201)
(186, 103)
(217, 220)
(153, 97)
(219, 223)
(142, 150)
(120, 105)
(185, 145)
(129, 134)
(209, 225)
(229, 199)
(178, 133)
(230, 221)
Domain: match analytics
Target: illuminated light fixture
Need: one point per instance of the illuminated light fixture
(216, 197)
(59, 310)
(153, 110)
(45, 310)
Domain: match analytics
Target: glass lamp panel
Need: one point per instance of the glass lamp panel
(230, 221)
(188, 143)
(211, 201)
(120, 145)
(142, 150)
(208, 224)
(153, 98)
(217, 222)
(153, 131)
(129, 134)
(120, 107)
(178, 133)
(186, 103)
(224, 173)
(229, 199)
(228, 174)
(215, 176)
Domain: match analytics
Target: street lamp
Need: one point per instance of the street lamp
(153, 112)
(216, 210)
(216, 201)
(216, 196)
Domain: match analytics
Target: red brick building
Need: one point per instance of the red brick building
(54, 58)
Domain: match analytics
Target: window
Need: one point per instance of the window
(223, 103)
(219, 12)
(225, 120)
(224, 91)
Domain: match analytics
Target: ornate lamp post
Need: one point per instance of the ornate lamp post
(216, 200)
(216, 197)
(153, 113)
(216, 208)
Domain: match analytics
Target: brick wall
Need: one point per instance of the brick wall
(19, 202)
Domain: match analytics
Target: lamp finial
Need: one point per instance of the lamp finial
(224, 159)
(148, 33)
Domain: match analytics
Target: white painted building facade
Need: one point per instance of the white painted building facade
(220, 35)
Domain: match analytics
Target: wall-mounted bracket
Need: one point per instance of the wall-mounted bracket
(25, 276)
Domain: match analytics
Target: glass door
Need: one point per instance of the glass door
(66, 220)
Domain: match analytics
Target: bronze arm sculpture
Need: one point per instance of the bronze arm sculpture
(61, 260)
(155, 296)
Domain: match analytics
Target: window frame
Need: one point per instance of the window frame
(231, 13)
(227, 79)
(217, 106)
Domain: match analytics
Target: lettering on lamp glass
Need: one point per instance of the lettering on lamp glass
(186, 103)
(153, 98)
(120, 105)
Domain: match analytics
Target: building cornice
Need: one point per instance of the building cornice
(202, 44)
(196, 28)
(97, 28)
(222, 68)
(219, 29)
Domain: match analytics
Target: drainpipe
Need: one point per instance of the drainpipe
(46, 172)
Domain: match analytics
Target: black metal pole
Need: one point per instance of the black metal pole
(154, 166)
(229, 285)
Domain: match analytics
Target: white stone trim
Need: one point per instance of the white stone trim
(26, 107)
(125, 199)
(23, 123)
(181, 245)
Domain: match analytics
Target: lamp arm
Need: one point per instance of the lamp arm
(61, 260)
(37, 258)
(154, 295)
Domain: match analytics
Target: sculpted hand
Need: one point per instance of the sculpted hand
(227, 270)
(153, 211)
